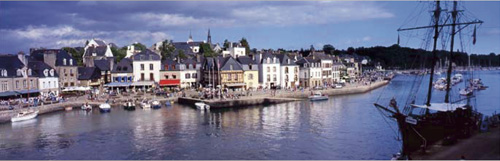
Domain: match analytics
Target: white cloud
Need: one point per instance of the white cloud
(61, 36)
(169, 20)
(311, 13)
(364, 39)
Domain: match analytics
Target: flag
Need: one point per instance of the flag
(474, 36)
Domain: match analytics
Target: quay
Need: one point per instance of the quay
(281, 97)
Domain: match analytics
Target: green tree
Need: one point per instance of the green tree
(226, 44)
(166, 49)
(245, 44)
(76, 54)
(328, 49)
(350, 50)
(119, 53)
(139, 46)
(207, 50)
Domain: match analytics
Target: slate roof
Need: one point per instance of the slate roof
(169, 63)
(283, 58)
(60, 56)
(230, 61)
(124, 66)
(102, 64)
(38, 67)
(100, 42)
(146, 55)
(99, 50)
(10, 63)
(245, 60)
(88, 73)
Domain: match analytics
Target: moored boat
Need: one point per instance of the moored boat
(145, 105)
(318, 97)
(86, 107)
(25, 115)
(69, 108)
(105, 107)
(155, 104)
(129, 105)
(202, 106)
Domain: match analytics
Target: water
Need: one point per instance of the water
(344, 127)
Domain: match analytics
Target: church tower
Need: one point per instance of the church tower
(190, 39)
(209, 38)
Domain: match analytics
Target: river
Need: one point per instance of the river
(344, 127)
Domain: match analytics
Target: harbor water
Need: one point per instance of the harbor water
(343, 127)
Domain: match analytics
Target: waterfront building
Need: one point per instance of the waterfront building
(188, 73)
(96, 50)
(231, 74)
(310, 72)
(170, 74)
(289, 71)
(146, 66)
(90, 77)
(16, 77)
(337, 69)
(131, 50)
(60, 60)
(48, 79)
(250, 72)
(105, 65)
(123, 71)
(269, 66)
(210, 70)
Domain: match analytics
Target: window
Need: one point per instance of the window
(194, 75)
(286, 70)
(250, 66)
(268, 60)
(188, 76)
(274, 69)
(119, 68)
(174, 76)
(71, 72)
(49, 84)
(274, 77)
(229, 76)
(32, 83)
(151, 77)
(24, 83)
(29, 72)
(231, 67)
(268, 69)
(235, 77)
(70, 61)
(250, 76)
(166, 76)
(268, 78)
(64, 61)
(44, 85)
(142, 76)
(17, 84)
(125, 69)
(173, 67)
(150, 66)
(142, 67)
(194, 65)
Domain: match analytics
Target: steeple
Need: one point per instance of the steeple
(190, 39)
(209, 38)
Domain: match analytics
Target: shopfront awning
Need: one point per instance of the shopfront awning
(26, 91)
(148, 83)
(118, 84)
(76, 89)
(170, 82)
(8, 94)
(236, 84)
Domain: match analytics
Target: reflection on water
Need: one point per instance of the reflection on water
(343, 127)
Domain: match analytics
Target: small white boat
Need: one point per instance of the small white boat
(466, 92)
(69, 108)
(202, 106)
(145, 105)
(26, 115)
(318, 97)
(105, 107)
(86, 107)
(155, 104)
(129, 105)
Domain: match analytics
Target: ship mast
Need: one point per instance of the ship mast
(450, 61)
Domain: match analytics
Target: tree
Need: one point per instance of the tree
(311, 49)
(350, 50)
(328, 49)
(139, 46)
(119, 53)
(207, 50)
(245, 44)
(76, 54)
(166, 49)
(226, 44)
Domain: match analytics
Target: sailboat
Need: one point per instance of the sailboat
(423, 124)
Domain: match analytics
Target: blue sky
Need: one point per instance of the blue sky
(276, 24)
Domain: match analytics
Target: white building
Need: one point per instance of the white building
(189, 69)
(235, 50)
(310, 72)
(269, 70)
(131, 50)
(48, 79)
(147, 66)
(95, 50)
(289, 72)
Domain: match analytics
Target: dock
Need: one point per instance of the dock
(242, 102)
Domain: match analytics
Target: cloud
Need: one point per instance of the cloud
(166, 20)
(364, 39)
(61, 36)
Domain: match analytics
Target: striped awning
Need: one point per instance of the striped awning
(148, 83)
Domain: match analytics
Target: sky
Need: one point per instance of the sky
(265, 24)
